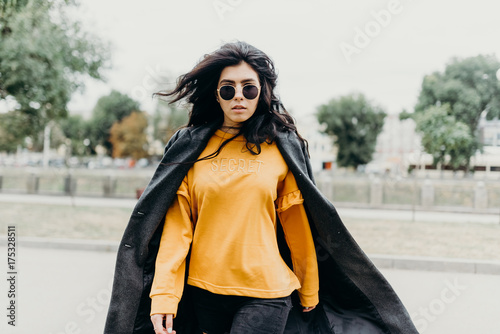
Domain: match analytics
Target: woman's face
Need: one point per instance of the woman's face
(238, 109)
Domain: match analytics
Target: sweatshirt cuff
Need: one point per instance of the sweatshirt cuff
(164, 304)
(309, 300)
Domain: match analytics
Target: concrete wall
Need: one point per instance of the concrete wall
(357, 190)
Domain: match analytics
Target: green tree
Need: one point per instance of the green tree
(443, 136)
(76, 129)
(355, 124)
(469, 87)
(109, 109)
(13, 129)
(44, 58)
(128, 136)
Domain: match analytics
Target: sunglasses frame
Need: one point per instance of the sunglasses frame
(242, 91)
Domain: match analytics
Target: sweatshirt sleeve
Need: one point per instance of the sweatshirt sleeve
(168, 281)
(293, 217)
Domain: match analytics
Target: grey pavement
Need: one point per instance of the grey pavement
(344, 209)
(421, 216)
(382, 261)
(64, 291)
(68, 200)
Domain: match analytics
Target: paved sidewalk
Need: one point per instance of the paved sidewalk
(420, 263)
(69, 200)
(382, 261)
(68, 291)
(422, 216)
(344, 211)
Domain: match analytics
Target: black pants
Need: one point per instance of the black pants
(220, 314)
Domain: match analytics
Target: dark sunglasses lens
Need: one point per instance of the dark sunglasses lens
(227, 92)
(250, 92)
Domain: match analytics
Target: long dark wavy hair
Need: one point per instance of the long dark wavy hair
(198, 87)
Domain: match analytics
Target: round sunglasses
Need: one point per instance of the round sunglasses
(227, 93)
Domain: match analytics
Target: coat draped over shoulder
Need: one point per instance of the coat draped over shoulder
(354, 296)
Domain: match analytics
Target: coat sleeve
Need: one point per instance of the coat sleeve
(176, 238)
(297, 231)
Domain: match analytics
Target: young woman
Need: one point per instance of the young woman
(231, 235)
(227, 207)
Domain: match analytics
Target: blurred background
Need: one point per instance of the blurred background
(398, 99)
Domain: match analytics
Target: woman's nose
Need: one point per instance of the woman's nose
(238, 93)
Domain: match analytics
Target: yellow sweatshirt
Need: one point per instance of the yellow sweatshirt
(226, 211)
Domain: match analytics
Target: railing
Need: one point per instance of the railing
(459, 195)
(99, 183)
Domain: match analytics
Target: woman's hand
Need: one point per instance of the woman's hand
(308, 309)
(157, 320)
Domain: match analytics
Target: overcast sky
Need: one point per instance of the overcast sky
(321, 49)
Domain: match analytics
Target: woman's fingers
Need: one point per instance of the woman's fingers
(157, 320)
(169, 323)
(308, 309)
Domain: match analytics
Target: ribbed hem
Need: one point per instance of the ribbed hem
(164, 304)
(309, 300)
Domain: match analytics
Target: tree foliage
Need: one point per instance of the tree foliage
(108, 110)
(128, 136)
(469, 87)
(443, 136)
(44, 58)
(355, 124)
(76, 129)
(13, 127)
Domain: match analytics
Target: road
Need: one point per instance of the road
(67, 292)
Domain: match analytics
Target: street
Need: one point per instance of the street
(68, 291)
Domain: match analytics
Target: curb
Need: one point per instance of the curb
(436, 264)
(68, 244)
(380, 260)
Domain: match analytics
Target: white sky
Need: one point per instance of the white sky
(303, 37)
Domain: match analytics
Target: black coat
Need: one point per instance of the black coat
(354, 296)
